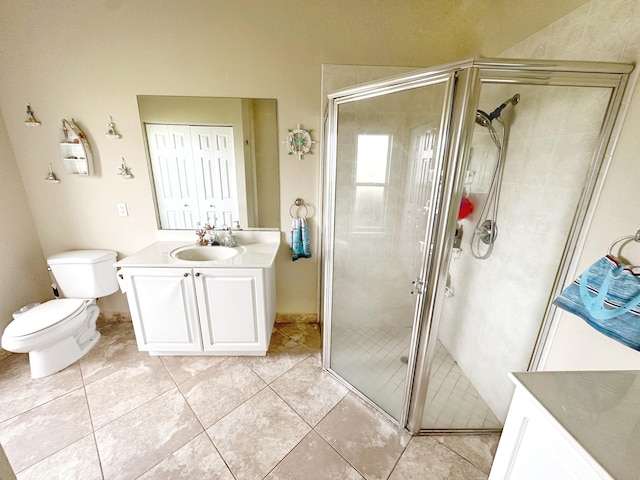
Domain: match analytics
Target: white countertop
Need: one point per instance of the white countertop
(600, 410)
(259, 252)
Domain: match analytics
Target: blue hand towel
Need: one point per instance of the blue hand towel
(296, 246)
(300, 245)
(304, 236)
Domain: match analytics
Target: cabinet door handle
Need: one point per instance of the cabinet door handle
(197, 274)
(121, 276)
(185, 274)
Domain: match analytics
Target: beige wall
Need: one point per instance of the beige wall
(23, 270)
(89, 59)
(600, 30)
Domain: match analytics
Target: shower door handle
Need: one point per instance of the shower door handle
(417, 287)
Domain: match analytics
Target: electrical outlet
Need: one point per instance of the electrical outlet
(122, 210)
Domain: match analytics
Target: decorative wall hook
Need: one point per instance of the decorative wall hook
(299, 142)
(111, 130)
(51, 177)
(124, 172)
(31, 120)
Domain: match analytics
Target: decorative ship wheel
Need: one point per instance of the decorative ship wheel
(299, 142)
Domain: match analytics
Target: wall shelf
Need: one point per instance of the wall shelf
(74, 149)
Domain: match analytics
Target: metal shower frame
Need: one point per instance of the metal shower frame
(464, 81)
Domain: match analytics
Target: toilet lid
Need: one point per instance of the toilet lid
(43, 316)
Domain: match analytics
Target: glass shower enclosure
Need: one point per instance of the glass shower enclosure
(454, 199)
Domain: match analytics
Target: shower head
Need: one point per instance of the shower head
(483, 120)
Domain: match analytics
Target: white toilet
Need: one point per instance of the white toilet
(59, 332)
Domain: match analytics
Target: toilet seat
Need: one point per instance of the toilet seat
(44, 316)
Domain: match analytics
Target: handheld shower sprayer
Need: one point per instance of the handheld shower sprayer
(486, 230)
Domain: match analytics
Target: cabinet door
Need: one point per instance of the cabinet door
(163, 309)
(232, 309)
(534, 446)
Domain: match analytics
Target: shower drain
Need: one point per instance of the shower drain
(404, 359)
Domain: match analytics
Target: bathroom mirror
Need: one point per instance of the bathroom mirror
(212, 159)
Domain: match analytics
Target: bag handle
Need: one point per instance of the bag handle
(595, 304)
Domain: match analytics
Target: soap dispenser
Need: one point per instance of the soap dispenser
(230, 240)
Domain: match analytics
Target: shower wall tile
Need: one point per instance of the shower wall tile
(599, 24)
(632, 49)
(571, 157)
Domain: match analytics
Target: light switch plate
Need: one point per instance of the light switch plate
(122, 210)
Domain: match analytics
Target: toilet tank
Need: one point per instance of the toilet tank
(84, 273)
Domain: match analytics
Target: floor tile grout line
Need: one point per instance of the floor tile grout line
(461, 456)
(92, 432)
(329, 443)
(93, 429)
(177, 387)
(395, 465)
(288, 453)
(41, 404)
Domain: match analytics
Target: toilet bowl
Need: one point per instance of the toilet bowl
(59, 332)
(56, 334)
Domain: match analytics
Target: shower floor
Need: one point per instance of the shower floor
(371, 359)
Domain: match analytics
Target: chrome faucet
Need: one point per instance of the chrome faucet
(210, 231)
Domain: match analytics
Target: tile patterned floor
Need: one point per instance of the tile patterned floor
(121, 414)
(371, 360)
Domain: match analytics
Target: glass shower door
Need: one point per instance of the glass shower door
(495, 303)
(384, 177)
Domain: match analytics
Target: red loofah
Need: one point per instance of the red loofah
(466, 207)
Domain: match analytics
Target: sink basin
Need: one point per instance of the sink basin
(195, 253)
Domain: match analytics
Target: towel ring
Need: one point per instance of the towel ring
(635, 238)
(297, 204)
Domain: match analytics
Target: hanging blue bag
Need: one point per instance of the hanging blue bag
(607, 297)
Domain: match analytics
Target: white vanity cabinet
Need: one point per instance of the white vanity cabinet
(207, 311)
(235, 308)
(164, 313)
(571, 425)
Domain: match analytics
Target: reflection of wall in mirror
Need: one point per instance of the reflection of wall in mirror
(255, 140)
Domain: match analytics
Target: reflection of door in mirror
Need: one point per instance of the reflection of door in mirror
(254, 145)
(194, 168)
